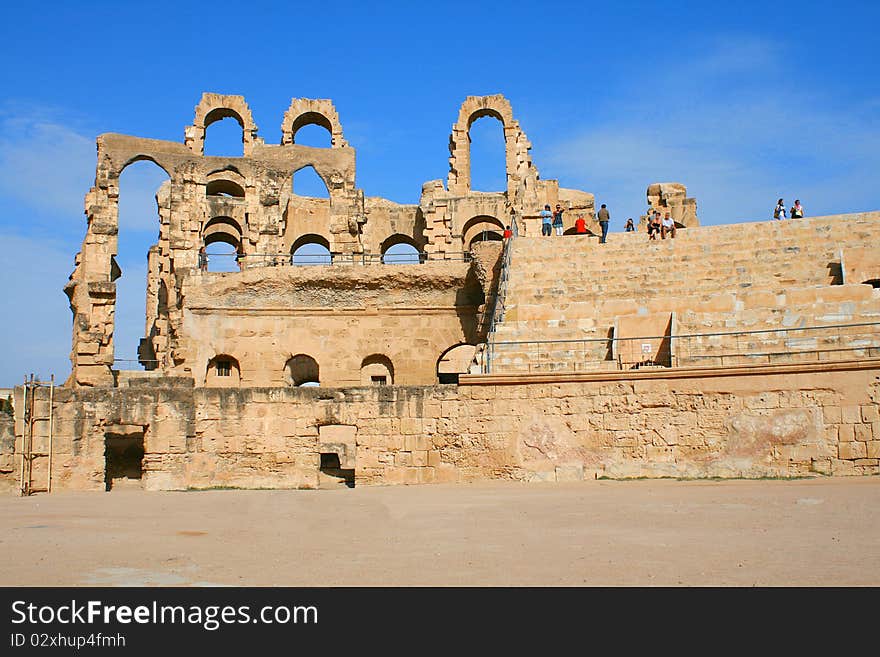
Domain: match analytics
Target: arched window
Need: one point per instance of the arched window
(222, 239)
(302, 370)
(314, 130)
(377, 370)
(224, 188)
(310, 250)
(400, 250)
(307, 182)
(454, 361)
(224, 134)
(481, 228)
(139, 184)
(488, 155)
(223, 372)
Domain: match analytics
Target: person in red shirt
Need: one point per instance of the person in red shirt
(507, 233)
(580, 226)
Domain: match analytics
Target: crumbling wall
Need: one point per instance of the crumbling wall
(796, 421)
(672, 198)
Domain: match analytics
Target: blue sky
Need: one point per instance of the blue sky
(742, 103)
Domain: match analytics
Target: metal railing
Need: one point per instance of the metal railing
(287, 259)
(498, 304)
(719, 349)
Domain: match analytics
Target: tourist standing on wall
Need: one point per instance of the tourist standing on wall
(779, 212)
(604, 218)
(797, 210)
(203, 259)
(630, 227)
(557, 219)
(546, 220)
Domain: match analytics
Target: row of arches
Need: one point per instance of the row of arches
(302, 370)
(226, 133)
(225, 235)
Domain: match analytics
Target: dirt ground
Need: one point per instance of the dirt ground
(818, 532)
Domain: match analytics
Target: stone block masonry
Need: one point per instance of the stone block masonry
(782, 423)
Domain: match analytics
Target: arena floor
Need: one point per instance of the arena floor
(820, 532)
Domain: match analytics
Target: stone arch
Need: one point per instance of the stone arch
(226, 181)
(141, 157)
(454, 361)
(317, 172)
(413, 255)
(214, 107)
(300, 370)
(224, 187)
(377, 369)
(519, 164)
(312, 111)
(475, 226)
(222, 229)
(310, 238)
(223, 371)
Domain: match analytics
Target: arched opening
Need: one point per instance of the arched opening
(480, 229)
(488, 154)
(224, 133)
(224, 188)
(139, 184)
(455, 361)
(222, 239)
(377, 370)
(301, 371)
(223, 372)
(312, 129)
(310, 250)
(873, 282)
(400, 250)
(307, 182)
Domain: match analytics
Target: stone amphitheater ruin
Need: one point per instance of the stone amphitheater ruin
(740, 350)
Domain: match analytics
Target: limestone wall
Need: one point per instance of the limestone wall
(777, 422)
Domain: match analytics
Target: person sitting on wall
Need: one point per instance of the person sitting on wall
(507, 234)
(667, 227)
(546, 221)
(580, 226)
(654, 225)
(630, 226)
(797, 210)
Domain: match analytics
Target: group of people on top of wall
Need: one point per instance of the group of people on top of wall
(796, 212)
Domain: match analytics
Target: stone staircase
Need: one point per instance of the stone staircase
(718, 279)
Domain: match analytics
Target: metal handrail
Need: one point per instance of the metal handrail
(869, 344)
(288, 259)
(692, 335)
(498, 305)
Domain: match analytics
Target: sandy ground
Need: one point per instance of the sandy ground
(807, 532)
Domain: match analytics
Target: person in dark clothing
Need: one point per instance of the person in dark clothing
(604, 218)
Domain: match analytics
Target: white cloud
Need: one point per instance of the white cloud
(735, 153)
(36, 335)
(45, 165)
(49, 167)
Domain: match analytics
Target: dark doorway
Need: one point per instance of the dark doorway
(123, 460)
(331, 467)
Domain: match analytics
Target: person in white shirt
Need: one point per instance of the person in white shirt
(667, 227)
(779, 212)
